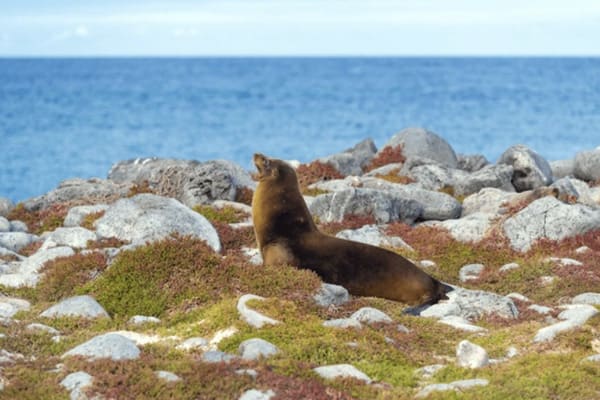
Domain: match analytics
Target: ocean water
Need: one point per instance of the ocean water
(62, 118)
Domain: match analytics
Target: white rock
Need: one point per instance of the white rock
(565, 261)
(509, 266)
(76, 215)
(341, 371)
(252, 317)
(9, 306)
(372, 234)
(587, 298)
(15, 241)
(547, 280)
(461, 323)
(470, 272)
(193, 343)
(342, 323)
(330, 294)
(75, 237)
(142, 319)
(4, 224)
(369, 315)
(167, 376)
(18, 226)
(108, 345)
(253, 255)
(469, 229)
(574, 316)
(470, 355)
(216, 356)
(35, 327)
(254, 349)
(27, 273)
(427, 264)
(472, 304)
(518, 296)
(594, 358)
(456, 385)
(254, 394)
(582, 250)
(75, 383)
(428, 371)
(79, 306)
(147, 217)
(540, 309)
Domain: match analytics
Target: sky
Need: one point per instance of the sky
(299, 27)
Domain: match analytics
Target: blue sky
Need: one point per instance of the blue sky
(300, 27)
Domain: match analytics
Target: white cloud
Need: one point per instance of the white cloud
(80, 31)
(185, 32)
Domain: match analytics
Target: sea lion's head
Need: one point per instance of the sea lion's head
(272, 168)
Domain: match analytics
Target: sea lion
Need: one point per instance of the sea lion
(286, 234)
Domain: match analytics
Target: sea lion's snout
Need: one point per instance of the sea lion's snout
(262, 163)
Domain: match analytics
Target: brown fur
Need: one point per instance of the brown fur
(286, 234)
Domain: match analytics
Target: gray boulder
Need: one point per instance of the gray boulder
(470, 271)
(488, 201)
(18, 226)
(472, 304)
(217, 356)
(352, 161)
(587, 298)
(469, 229)
(424, 143)
(372, 234)
(254, 394)
(75, 237)
(383, 206)
(78, 306)
(458, 386)
(148, 217)
(15, 241)
(6, 206)
(9, 306)
(4, 224)
(75, 383)
(254, 349)
(341, 371)
(342, 323)
(109, 345)
(370, 315)
(83, 191)
(562, 168)
(495, 176)
(574, 316)
(167, 376)
(471, 163)
(551, 219)
(530, 169)
(573, 190)
(587, 165)
(330, 294)
(190, 182)
(470, 355)
(76, 215)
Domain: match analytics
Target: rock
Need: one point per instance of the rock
(551, 219)
(247, 371)
(587, 298)
(352, 161)
(9, 306)
(190, 182)
(470, 355)
(109, 345)
(530, 169)
(77, 214)
(508, 267)
(75, 237)
(547, 280)
(383, 206)
(572, 190)
(27, 272)
(148, 217)
(167, 376)
(15, 241)
(4, 224)
(587, 165)
(142, 319)
(215, 356)
(330, 294)
(574, 316)
(343, 323)
(471, 163)
(428, 371)
(456, 385)
(472, 304)
(372, 234)
(35, 327)
(254, 349)
(254, 256)
(540, 309)
(470, 271)
(565, 262)
(78, 306)
(461, 323)
(519, 297)
(252, 317)
(423, 143)
(6, 206)
(426, 264)
(582, 250)
(470, 229)
(254, 394)
(90, 191)
(369, 315)
(594, 358)
(193, 344)
(562, 168)
(6, 357)
(488, 201)
(18, 226)
(75, 383)
(341, 371)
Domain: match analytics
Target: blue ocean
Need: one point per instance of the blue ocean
(63, 118)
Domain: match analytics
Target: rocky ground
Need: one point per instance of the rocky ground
(148, 284)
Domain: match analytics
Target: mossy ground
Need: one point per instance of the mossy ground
(194, 291)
